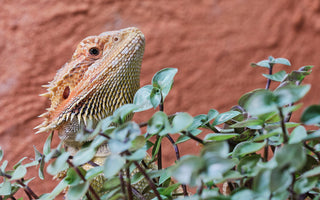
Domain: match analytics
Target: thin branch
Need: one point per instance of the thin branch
(26, 188)
(312, 150)
(283, 126)
(159, 157)
(123, 189)
(129, 188)
(269, 80)
(201, 188)
(151, 183)
(176, 149)
(193, 137)
(175, 146)
(137, 194)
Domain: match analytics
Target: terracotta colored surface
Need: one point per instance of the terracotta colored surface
(211, 43)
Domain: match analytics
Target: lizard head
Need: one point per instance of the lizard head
(102, 75)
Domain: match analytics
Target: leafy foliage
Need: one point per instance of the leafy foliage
(252, 151)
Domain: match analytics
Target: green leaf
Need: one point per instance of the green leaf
(56, 191)
(261, 102)
(261, 183)
(20, 172)
(247, 147)
(142, 98)
(83, 156)
(263, 63)
(247, 164)
(282, 61)
(155, 97)
(159, 124)
(46, 147)
(113, 164)
(248, 123)
(219, 136)
(279, 76)
(198, 121)
(77, 191)
(59, 164)
(123, 136)
(311, 115)
(181, 122)
(297, 135)
(211, 115)
(311, 173)
(304, 185)
(280, 180)
(163, 79)
(137, 155)
(223, 117)
(187, 170)
(1, 154)
(269, 134)
(291, 156)
(138, 143)
(93, 172)
(41, 168)
(19, 162)
(5, 188)
(290, 94)
(72, 177)
(167, 191)
(244, 194)
(244, 98)
(112, 183)
(123, 113)
(312, 136)
(220, 149)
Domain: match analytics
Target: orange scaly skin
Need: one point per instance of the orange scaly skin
(102, 75)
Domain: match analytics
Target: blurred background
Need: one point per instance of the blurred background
(211, 42)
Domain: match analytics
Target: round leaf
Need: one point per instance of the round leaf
(83, 156)
(164, 80)
(181, 122)
(112, 165)
(20, 172)
(247, 147)
(142, 98)
(311, 115)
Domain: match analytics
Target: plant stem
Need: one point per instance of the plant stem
(161, 108)
(193, 137)
(159, 161)
(283, 126)
(123, 189)
(151, 183)
(269, 80)
(26, 188)
(266, 152)
(176, 149)
(129, 188)
(312, 150)
(93, 192)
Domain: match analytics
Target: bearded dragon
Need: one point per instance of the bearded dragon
(102, 75)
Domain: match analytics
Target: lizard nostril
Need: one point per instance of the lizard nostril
(66, 92)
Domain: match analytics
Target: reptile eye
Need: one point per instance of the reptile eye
(94, 51)
(66, 92)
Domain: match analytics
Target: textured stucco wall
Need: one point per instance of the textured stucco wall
(211, 42)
